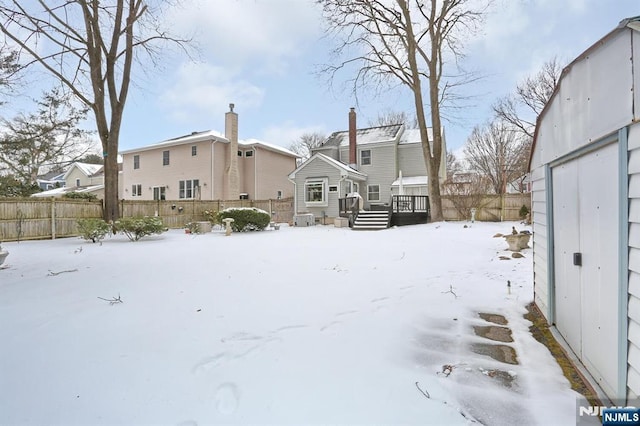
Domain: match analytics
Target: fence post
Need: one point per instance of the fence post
(53, 218)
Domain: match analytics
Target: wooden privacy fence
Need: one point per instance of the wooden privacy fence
(489, 208)
(38, 218)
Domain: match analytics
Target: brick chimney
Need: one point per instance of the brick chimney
(353, 154)
(232, 191)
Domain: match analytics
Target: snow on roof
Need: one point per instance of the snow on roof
(331, 161)
(57, 192)
(413, 136)
(411, 181)
(191, 138)
(364, 136)
(87, 169)
(272, 147)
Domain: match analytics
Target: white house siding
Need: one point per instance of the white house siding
(317, 168)
(377, 175)
(411, 160)
(633, 375)
(540, 243)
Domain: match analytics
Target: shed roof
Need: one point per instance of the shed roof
(632, 23)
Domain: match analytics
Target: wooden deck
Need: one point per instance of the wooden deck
(404, 209)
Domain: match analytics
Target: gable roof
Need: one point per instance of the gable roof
(87, 169)
(210, 135)
(344, 169)
(365, 136)
(255, 142)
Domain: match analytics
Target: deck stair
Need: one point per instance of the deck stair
(371, 220)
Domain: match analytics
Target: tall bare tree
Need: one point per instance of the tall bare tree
(90, 46)
(495, 150)
(394, 117)
(49, 137)
(413, 43)
(306, 143)
(521, 108)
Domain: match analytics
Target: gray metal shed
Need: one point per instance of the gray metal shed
(585, 172)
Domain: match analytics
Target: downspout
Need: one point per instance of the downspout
(212, 158)
(255, 173)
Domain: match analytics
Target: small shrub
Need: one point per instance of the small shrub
(211, 216)
(137, 227)
(192, 227)
(246, 218)
(524, 211)
(80, 196)
(93, 229)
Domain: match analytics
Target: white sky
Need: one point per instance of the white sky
(261, 55)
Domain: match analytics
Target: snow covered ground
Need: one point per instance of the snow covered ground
(316, 325)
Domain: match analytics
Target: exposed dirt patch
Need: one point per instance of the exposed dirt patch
(494, 318)
(540, 331)
(493, 332)
(502, 353)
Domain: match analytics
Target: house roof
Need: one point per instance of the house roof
(632, 23)
(255, 142)
(413, 136)
(344, 169)
(58, 192)
(365, 136)
(211, 135)
(411, 181)
(180, 140)
(87, 169)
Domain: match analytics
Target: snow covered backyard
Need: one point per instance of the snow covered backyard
(317, 325)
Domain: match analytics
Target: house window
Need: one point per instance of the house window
(159, 193)
(165, 158)
(315, 191)
(279, 195)
(136, 190)
(373, 192)
(365, 157)
(77, 182)
(194, 151)
(136, 162)
(239, 153)
(248, 153)
(333, 188)
(188, 189)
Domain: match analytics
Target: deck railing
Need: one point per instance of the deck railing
(409, 204)
(348, 206)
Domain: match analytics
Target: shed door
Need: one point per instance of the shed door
(585, 215)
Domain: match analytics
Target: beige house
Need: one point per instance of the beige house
(208, 166)
(80, 177)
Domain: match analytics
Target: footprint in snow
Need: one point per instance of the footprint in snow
(227, 398)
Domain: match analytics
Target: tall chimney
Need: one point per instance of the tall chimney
(231, 133)
(353, 154)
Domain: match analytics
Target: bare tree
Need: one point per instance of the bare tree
(521, 109)
(411, 43)
(495, 150)
(9, 67)
(389, 118)
(306, 143)
(454, 165)
(49, 137)
(90, 46)
(466, 191)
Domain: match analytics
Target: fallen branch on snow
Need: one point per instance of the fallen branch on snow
(112, 301)
(451, 291)
(53, 274)
(424, 392)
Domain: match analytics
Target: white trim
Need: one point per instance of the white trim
(325, 192)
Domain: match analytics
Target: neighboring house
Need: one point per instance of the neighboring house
(50, 180)
(585, 175)
(208, 166)
(79, 177)
(375, 162)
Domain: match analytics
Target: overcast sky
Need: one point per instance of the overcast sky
(261, 55)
